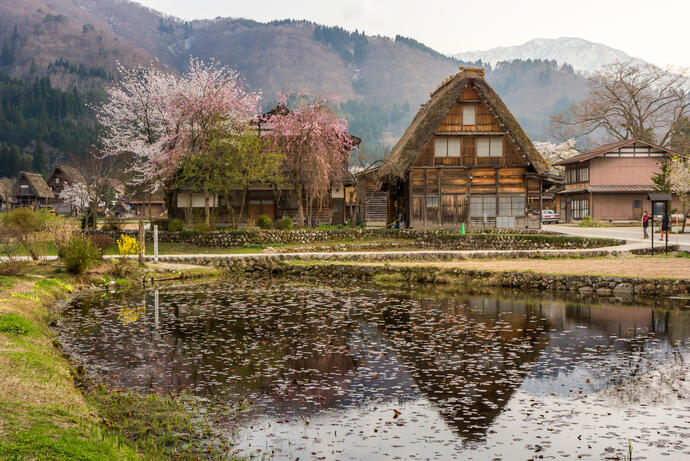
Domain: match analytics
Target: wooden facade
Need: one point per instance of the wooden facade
(31, 191)
(464, 161)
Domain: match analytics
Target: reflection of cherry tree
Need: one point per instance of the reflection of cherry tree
(316, 146)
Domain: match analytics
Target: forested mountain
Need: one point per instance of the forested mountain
(379, 82)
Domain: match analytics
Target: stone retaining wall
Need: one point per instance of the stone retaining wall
(502, 240)
(579, 284)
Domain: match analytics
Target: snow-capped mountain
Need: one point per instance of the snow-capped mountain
(583, 55)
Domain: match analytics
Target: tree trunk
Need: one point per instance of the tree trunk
(300, 208)
(190, 210)
(149, 204)
(207, 208)
(230, 209)
(244, 199)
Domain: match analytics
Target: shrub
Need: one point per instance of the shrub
(128, 246)
(102, 242)
(201, 226)
(587, 221)
(24, 220)
(284, 223)
(79, 254)
(175, 225)
(61, 230)
(162, 223)
(112, 226)
(264, 222)
(13, 268)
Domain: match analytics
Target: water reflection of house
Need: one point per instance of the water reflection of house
(472, 357)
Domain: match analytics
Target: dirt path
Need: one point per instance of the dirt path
(644, 267)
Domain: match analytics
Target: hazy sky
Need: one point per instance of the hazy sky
(654, 30)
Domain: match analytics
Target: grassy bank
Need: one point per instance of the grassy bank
(43, 413)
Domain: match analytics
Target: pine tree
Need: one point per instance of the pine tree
(39, 158)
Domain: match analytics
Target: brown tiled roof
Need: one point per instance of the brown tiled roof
(608, 189)
(39, 186)
(601, 150)
(430, 115)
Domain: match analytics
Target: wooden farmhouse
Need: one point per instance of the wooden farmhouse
(464, 160)
(31, 191)
(61, 177)
(611, 182)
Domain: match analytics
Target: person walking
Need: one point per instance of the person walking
(664, 226)
(645, 224)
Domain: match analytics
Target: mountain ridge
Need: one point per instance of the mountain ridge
(583, 55)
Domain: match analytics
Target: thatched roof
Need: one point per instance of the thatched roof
(72, 175)
(37, 184)
(431, 114)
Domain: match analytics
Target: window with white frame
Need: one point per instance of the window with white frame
(447, 146)
(490, 146)
(468, 114)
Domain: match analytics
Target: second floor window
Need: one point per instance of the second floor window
(447, 146)
(468, 114)
(577, 175)
(489, 146)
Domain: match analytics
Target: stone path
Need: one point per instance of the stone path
(632, 234)
(391, 255)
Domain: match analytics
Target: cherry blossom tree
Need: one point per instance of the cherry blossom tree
(554, 153)
(679, 177)
(316, 146)
(77, 195)
(159, 118)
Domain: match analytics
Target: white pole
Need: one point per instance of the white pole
(156, 308)
(155, 243)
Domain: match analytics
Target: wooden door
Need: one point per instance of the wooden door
(453, 211)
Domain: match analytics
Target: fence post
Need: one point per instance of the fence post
(142, 240)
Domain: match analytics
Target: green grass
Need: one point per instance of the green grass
(44, 416)
(16, 325)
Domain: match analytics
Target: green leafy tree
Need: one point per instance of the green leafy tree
(662, 180)
(230, 165)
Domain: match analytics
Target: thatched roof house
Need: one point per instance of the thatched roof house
(463, 161)
(31, 190)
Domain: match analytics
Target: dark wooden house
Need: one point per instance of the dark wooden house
(61, 177)
(464, 159)
(31, 191)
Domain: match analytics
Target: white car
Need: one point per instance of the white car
(549, 216)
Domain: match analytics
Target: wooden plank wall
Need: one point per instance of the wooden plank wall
(439, 196)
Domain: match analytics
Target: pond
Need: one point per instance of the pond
(360, 372)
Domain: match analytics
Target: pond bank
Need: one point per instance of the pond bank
(43, 412)
(453, 274)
